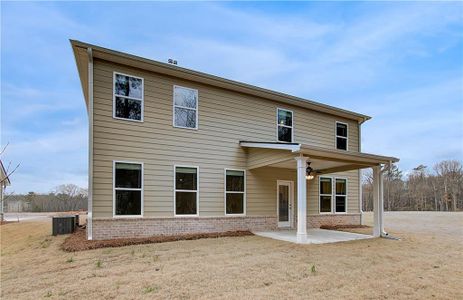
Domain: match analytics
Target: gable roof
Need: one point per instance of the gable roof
(84, 52)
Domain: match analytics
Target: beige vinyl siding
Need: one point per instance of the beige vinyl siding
(262, 189)
(258, 157)
(224, 118)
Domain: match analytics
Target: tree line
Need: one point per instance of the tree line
(439, 188)
(66, 197)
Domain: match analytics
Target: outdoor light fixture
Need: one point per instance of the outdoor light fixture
(308, 172)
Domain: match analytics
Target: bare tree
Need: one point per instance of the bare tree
(5, 180)
(392, 184)
(69, 196)
(9, 170)
(417, 187)
(451, 172)
(434, 184)
(367, 190)
(421, 189)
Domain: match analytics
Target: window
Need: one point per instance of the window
(235, 185)
(341, 194)
(335, 196)
(128, 97)
(186, 191)
(185, 107)
(325, 194)
(128, 189)
(284, 125)
(341, 136)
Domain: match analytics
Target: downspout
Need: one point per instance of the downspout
(360, 174)
(383, 170)
(90, 145)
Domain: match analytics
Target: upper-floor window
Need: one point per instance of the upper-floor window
(341, 136)
(128, 97)
(185, 107)
(285, 125)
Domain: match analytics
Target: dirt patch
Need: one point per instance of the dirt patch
(78, 241)
(7, 222)
(338, 227)
(362, 229)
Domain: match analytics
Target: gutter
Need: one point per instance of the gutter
(90, 145)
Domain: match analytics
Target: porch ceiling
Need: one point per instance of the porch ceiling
(323, 160)
(317, 164)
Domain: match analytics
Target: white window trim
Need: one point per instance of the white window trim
(336, 136)
(320, 194)
(233, 192)
(292, 127)
(128, 189)
(174, 106)
(131, 98)
(334, 191)
(189, 191)
(333, 195)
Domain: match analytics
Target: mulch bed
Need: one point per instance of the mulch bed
(7, 222)
(78, 240)
(337, 227)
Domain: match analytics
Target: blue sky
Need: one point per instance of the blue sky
(401, 63)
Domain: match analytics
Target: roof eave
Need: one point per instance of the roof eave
(172, 70)
(82, 59)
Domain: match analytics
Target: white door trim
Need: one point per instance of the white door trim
(290, 184)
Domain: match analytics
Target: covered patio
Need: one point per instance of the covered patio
(311, 161)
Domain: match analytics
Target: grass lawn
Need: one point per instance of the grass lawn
(426, 263)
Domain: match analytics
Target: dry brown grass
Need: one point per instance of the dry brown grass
(426, 263)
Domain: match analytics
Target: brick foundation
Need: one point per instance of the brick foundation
(143, 227)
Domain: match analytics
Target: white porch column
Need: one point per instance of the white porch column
(378, 203)
(301, 200)
(381, 203)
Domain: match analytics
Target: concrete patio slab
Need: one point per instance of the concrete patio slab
(314, 236)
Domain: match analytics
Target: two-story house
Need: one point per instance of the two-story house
(176, 151)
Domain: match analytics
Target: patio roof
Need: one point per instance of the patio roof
(324, 160)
